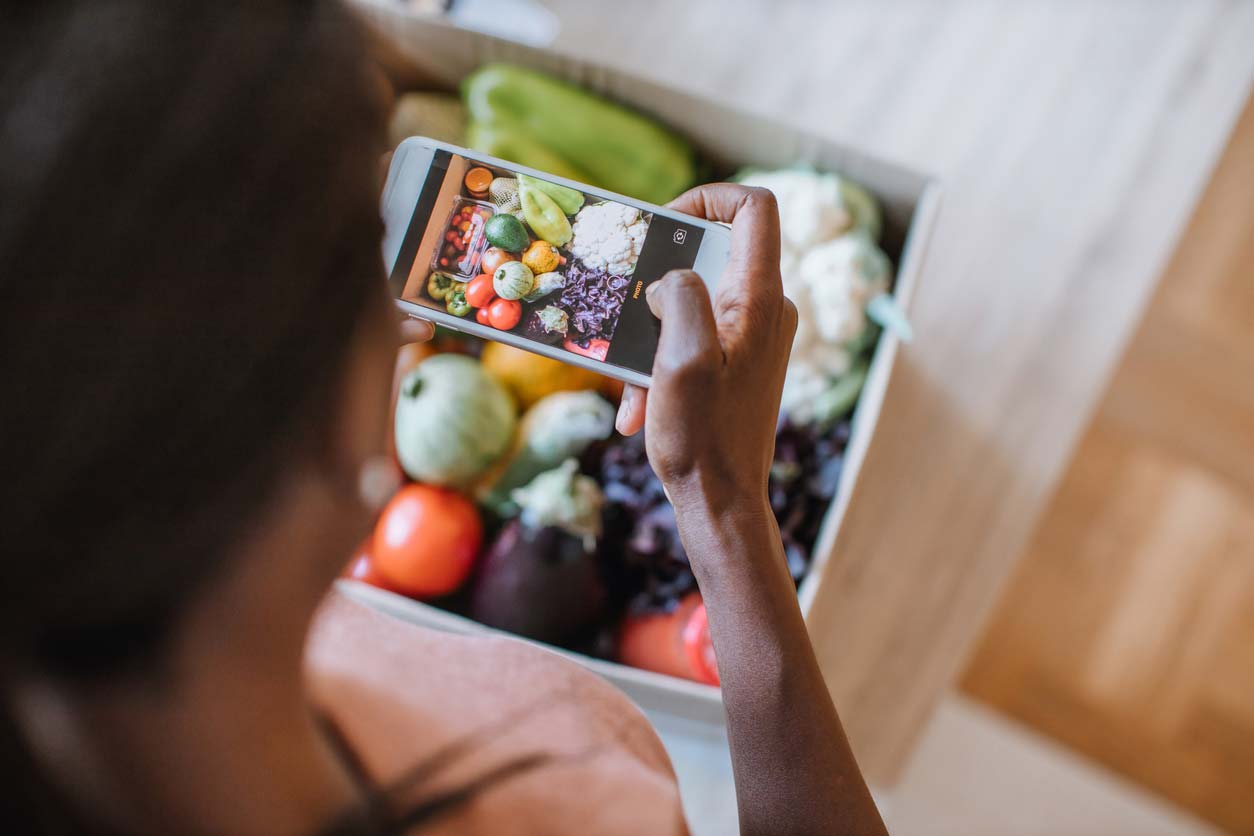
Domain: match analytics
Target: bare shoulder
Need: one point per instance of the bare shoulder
(402, 694)
(350, 642)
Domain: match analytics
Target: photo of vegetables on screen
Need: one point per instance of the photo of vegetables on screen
(544, 261)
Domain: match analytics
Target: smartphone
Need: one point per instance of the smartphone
(581, 257)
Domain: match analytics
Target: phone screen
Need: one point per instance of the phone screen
(545, 262)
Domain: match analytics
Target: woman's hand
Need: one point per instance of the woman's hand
(711, 413)
(709, 419)
(414, 330)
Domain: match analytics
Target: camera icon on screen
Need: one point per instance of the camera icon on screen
(680, 235)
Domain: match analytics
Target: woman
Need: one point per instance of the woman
(196, 350)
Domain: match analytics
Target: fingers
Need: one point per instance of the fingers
(754, 217)
(750, 289)
(630, 419)
(689, 340)
(415, 331)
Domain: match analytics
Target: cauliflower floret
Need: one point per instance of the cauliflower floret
(834, 360)
(803, 384)
(831, 269)
(565, 498)
(608, 236)
(842, 276)
(808, 345)
(811, 209)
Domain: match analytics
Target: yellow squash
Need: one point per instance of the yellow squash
(529, 377)
(541, 257)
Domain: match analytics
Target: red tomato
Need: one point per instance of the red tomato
(426, 541)
(650, 642)
(675, 643)
(479, 292)
(361, 567)
(504, 313)
(481, 316)
(493, 258)
(597, 349)
(699, 648)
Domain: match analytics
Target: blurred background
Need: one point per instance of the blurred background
(1043, 616)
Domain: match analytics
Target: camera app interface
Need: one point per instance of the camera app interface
(546, 262)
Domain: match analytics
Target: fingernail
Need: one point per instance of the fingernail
(624, 409)
(416, 330)
(650, 298)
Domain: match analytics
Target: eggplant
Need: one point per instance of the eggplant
(541, 583)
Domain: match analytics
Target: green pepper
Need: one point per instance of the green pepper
(439, 285)
(616, 148)
(544, 216)
(455, 302)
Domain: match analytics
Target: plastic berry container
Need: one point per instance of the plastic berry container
(462, 240)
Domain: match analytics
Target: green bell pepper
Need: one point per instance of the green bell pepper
(439, 285)
(456, 303)
(544, 216)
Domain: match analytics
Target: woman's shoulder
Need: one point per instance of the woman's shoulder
(462, 679)
(461, 707)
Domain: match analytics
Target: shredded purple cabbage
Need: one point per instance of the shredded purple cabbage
(593, 299)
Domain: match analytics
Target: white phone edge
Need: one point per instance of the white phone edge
(406, 175)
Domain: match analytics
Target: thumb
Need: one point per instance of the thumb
(631, 410)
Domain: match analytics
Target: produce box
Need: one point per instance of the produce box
(726, 140)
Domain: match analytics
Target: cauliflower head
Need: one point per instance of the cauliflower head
(608, 236)
(841, 277)
(803, 385)
(811, 209)
(831, 268)
(815, 206)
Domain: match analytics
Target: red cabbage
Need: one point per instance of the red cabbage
(593, 298)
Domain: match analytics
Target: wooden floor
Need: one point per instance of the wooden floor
(1128, 630)
(1071, 140)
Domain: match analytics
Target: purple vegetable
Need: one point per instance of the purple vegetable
(593, 299)
(540, 583)
(547, 325)
(645, 561)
